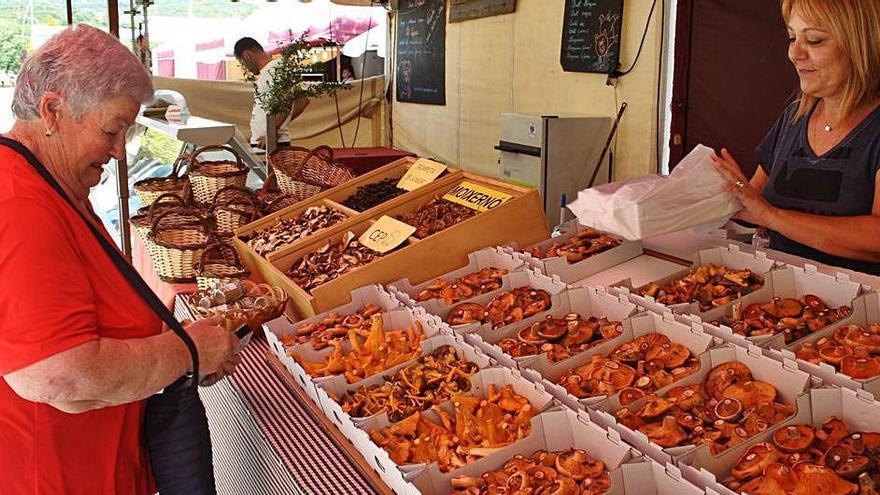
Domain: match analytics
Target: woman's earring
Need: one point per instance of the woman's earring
(48, 132)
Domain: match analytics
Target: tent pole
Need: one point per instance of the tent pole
(113, 15)
(69, 12)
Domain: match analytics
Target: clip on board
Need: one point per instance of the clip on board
(591, 36)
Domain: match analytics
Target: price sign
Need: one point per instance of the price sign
(176, 114)
(422, 172)
(476, 197)
(386, 234)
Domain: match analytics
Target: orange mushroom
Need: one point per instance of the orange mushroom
(751, 393)
(724, 375)
(860, 368)
(755, 459)
(834, 354)
(794, 438)
(655, 406)
(832, 431)
(666, 434)
(670, 354)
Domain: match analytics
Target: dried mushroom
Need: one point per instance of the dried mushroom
(370, 195)
(435, 216)
(289, 230)
(331, 261)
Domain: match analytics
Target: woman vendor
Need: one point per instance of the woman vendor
(815, 188)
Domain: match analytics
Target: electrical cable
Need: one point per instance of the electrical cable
(335, 94)
(660, 89)
(357, 127)
(641, 43)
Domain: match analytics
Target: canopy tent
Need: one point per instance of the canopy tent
(376, 39)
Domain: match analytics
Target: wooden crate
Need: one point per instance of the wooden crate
(520, 219)
(332, 198)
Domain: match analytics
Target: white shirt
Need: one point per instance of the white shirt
(258, 115)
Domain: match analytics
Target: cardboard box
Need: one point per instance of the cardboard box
(866, 310)
(277, 328)
(524, 278)
(378, 458)
(792, 282)
(790, 383)
(730, 257)
(337, 387)
(859, 409)
(691, 337)
(520, 218)
(491, 257)
(572, 272)
(585, 301)
(562, 429)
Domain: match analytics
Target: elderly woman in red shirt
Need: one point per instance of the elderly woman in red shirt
(80, 350)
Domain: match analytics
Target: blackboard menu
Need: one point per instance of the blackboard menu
(421, 52)
(591, 35)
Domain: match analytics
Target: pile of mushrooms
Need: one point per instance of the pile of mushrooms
(471, 285)
(586, 243)
(288, 230)
(333, 327)
(331, 261)
(505, 308)
(561, 338)
(435, 216)
(853, 349)
(567, 472)
(806, 460)
(725, 410)
(710, 285)
(633, 369)
(793, 318)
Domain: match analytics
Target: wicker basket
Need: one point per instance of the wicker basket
(178, 245)
(234, 206)
(269, 303)
(209, 177)
(148, 190)
(142, 222)
(302, 173)
(271, 199)
(219, 263)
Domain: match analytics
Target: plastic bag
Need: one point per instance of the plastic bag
(691, 196)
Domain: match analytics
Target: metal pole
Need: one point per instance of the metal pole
(69, 12)
(113, 15)
(122, 188)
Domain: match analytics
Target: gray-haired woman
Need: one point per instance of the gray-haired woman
(79, 349)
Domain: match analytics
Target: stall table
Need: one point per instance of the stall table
(363, 160)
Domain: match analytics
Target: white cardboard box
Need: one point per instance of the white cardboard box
(275, 329)
(793, 282)
(586, 301)
(730, 256)
(572, 272)
(338, 387)
(859, 409)
(525, 278)
(484, 258)
(691, 337)
(866, 310)
(790, 383)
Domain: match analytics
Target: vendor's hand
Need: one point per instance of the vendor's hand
(755, 209)
(226, 369)
(215, 344)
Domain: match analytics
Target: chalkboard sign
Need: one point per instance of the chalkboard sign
(421, 52)
(591, 35)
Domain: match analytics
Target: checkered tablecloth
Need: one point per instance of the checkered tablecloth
(265, 441)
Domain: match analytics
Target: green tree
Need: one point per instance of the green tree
(12, 46)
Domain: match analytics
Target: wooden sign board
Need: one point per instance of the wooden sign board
(476, 197)
(465, 10)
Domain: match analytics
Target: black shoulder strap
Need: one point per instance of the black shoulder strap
(124, 267)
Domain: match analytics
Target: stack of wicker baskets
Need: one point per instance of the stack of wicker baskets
(233, 206)
(148, 190)
(208, 177)
(302, 172)
(179, 237)
(218, 264)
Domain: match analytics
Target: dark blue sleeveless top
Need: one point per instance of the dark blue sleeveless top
(838, 183)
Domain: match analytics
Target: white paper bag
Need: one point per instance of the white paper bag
(691, 196)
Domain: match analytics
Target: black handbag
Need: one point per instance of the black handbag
(175, 424)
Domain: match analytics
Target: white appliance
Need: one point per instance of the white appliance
(554, 154)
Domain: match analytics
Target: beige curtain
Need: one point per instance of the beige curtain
(231, 101)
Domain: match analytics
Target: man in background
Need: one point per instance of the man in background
(249, 52)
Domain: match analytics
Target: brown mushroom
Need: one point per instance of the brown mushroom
(666, 434)
(814, 302)
(687, 396)
(596, 486)
(794, 438)
(618, 375)
(854, 443)
(820, 479)
(835, 456)
(529, 335)
(724, 375)
(655, 406)
(754, 460)
(808, 352)
(629, 419)
(832, 431)
(781, 474)
(729, 409)
(834, 354)
(670, 354)
(853, 467)
(629, 395)
(860, 368)
(577, 464)
(551, 328)
(751, 393)
(762, 485)
(790, 308)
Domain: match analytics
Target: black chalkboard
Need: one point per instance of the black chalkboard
(421, 52)
(591, 35)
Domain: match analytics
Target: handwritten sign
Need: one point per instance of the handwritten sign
(176, 114)
(422, 172)
(591, 35)
(476, 197)
(386, 234)
(421, 52)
